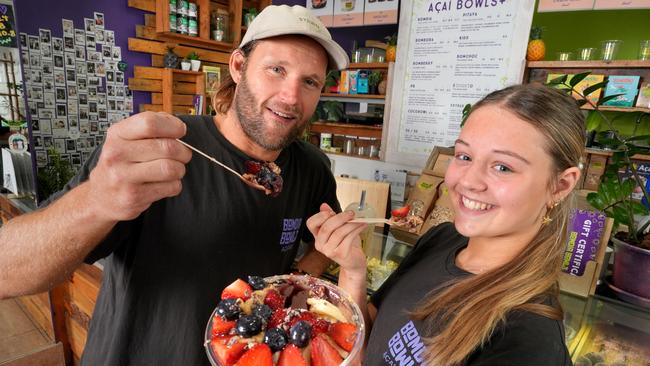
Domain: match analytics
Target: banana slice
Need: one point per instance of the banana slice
(324, 307)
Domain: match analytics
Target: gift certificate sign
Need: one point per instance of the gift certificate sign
(451, 53)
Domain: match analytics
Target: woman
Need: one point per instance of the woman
(483, 290)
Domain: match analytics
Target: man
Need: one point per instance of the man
(175, 230)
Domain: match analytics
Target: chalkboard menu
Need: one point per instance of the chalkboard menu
(7, 27)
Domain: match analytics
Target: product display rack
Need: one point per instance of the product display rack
(355, 129)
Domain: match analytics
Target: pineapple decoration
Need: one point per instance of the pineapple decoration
(391, 49)
(536, 47)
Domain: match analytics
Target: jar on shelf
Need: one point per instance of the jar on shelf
(192, 19)
(219, 26)
(348, 145)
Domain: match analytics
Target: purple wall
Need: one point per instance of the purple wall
(47, 14)
(346, 36)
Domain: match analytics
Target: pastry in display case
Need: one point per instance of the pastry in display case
(613, 334)
(383, 253)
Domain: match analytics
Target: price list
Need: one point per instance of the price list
(458, 51)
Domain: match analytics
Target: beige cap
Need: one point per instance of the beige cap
(279, 20)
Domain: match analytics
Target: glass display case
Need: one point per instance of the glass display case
(384, 253)
(606, 332)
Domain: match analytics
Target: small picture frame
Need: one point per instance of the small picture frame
(99, 20)
(212, 78)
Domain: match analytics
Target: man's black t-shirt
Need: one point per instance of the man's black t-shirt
(396, 338)
(165, 270)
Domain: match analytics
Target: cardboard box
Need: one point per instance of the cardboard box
(595, 170)
(430, 189)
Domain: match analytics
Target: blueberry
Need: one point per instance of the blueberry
(263, 311)
(300, 333)
(228, 309)
(276, 338)
(248, 325)
(256, 282)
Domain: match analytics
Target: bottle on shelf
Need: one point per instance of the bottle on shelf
(182, 20)
(173, 21)
(192, 19)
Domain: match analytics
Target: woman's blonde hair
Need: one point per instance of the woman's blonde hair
(223, 97)
(461, 316)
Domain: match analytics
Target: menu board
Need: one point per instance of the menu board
(450, 53)
(564, 5)
(347, 13)
(380, 12)
(322, 9)
(7, 27)
(621, 4)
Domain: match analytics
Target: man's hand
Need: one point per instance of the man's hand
(140, 163)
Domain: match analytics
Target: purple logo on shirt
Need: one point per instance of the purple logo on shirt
(290, 230)
(405, 348)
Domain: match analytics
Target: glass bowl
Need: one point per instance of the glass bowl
(324, 290)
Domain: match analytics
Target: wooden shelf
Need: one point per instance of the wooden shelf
(357, 96)
(352, 129)
(594, 151)
(198, 41)
(368, 65)
(618, 64)
(351, 155)
(617, 109)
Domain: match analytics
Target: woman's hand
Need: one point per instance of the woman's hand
(338, 239)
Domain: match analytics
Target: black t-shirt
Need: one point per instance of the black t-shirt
(165, 270)
(525, 339)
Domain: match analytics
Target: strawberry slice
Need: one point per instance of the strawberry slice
(323, 354)
(274, 300)
(400, 212)
(259, 355)
(221, 326)
(227, 350)
(238, 290)
(277, 318)
(343, 334)
(319, 326)
(291, 356)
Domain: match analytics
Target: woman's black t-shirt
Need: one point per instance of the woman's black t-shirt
(396, 338)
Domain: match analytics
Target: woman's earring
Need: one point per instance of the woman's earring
(547, 218)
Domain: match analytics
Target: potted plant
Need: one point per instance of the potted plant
(332, 81)
(195, 62)
(615, 196)
(250, 14)
(391, 49)
(186, 64)
(330, 110)
(373, 82)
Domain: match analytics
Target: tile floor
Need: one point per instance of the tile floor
(18, 334)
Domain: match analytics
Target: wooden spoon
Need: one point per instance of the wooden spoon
(248, 182)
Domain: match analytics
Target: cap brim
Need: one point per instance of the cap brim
(337, 56)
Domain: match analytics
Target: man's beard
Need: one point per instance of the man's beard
(252, 120)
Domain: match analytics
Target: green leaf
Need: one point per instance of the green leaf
(640, 137)
(592, 88)
(466, 110)
(578, 78)
(593, 121)
(581, 102)
(638, 208)
(596, 201)
(558, 80)
(626, 188)
(621, 215)
(603, 100)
